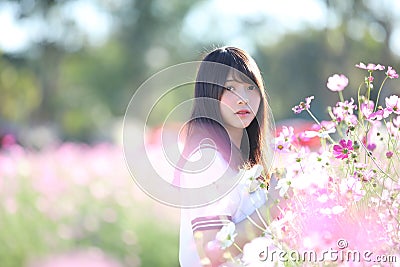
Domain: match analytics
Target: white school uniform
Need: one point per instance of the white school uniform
(234, 207)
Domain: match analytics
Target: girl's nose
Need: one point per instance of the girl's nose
(243, 100)
(242, 97)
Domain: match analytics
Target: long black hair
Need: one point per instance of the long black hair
(206, 120)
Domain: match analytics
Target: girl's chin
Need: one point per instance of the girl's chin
(245, 122)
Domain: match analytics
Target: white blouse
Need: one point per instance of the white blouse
(234, 206)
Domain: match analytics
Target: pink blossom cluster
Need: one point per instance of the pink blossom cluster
(303, 105)
(348, 187)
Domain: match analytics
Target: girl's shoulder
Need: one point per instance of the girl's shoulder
(205, 164)
(201, 146)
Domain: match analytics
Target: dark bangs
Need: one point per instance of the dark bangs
(237, 59)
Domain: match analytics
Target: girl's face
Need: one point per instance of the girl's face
(239, 103)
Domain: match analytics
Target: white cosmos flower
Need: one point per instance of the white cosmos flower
(284, 185)
(249, 177)
(319, 133)
(226, 236)
(252, 173)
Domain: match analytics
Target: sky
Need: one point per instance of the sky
(86, 15)
(220, 15)
(278, 19)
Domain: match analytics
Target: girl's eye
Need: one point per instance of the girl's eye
(229, 88)
(251, 87)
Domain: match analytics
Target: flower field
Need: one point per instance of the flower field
(76, 205)
(339, 201)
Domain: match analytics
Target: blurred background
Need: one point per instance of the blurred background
(69, 68)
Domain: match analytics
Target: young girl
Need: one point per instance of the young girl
(227, 132)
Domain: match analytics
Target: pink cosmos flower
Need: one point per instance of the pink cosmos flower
(391, 73)
(352, 188)
(287, 133)
(351, 120)
(396, 121)
(370, 66)
(367, 175)
(322, 131)
(393, 104)
(367, 108)
(342, 110)
(379, 115)
(369, 140)
(393, 130)
(337, 82)
(343, 149)
(371, 146)
(281, 145)
(303, 106)
(297, 109)
(284, 141)
(348, 105)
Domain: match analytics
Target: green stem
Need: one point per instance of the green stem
(369, 86)
(261, 219)
(379, 92)
(312, 116)
(359, 103)
(255, 224)
(341, 96)
(237, 246)
(373, 160)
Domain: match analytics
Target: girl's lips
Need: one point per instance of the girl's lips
(243, 112)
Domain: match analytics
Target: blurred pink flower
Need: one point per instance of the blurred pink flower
(7, 141)
(391, 73)
(282, 145)
(396, 121)
(323, 130)
(371, 79)
(287, 133)
(303, 105)
(379, 115)
(367, 108)
(91, 258)
(367, 175)
(393, 130)
(284, 141)
(343, 149)
(352, 188)
(370, 66)
(343, 110)
(393, 104)
(337, 82)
